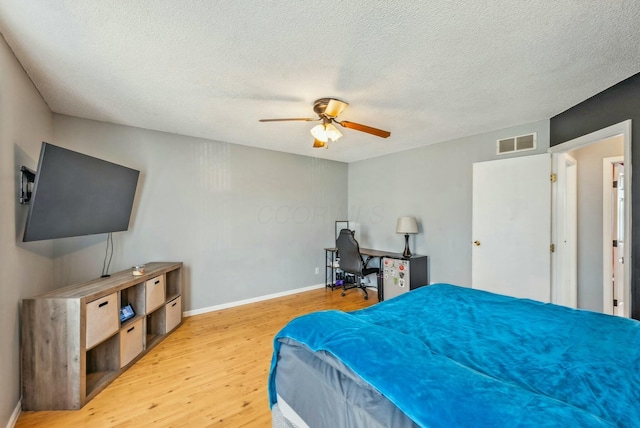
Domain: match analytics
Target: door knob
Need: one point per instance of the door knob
(476, 243)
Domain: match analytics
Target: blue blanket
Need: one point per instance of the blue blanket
(454, 356)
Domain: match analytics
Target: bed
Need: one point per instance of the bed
(450, 356)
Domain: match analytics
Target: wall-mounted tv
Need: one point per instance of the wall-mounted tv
(75, 194)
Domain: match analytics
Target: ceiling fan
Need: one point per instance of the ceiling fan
(328, 110)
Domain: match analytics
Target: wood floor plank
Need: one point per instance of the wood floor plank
(212, 371)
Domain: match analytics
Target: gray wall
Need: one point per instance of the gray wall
(589, 160)
(433, 184)
(246, 222)
(25, 121)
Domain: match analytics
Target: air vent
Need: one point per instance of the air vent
(517, 144)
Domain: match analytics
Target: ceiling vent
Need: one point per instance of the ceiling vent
(516, 144)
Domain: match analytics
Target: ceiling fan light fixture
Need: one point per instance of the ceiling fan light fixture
(326, 132)
(334, 107)
(319, 134)
(328, 110)
(332, 132)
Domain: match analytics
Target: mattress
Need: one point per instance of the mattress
(329, 384)
(285, 418)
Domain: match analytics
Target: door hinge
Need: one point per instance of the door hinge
(615, 184)
(615, 242)
(553, 177)
(553, 248)
(615, 302)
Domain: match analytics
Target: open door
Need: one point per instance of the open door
(511, 226)
(613, 206)
(564, 260)
(619, 286)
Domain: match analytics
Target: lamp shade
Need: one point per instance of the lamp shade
(325, 132)
(406, 225)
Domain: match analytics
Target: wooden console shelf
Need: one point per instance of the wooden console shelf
(73, 343)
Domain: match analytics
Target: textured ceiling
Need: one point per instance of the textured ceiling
(428, 71)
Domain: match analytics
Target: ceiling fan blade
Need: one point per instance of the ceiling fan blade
(364, 128)
(317, 143)
(306, 119)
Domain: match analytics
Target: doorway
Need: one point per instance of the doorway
(595, 296)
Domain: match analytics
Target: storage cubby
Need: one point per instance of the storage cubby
(73, 343)
(133, 296)
(173, 283)
(102, 363)
(155, 327)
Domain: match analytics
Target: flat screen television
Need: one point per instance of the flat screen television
(75, 194)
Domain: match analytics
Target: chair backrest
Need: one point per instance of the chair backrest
(349, 252)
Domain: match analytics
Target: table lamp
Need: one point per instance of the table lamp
(406, 225)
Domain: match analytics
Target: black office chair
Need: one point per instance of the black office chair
(351, 261)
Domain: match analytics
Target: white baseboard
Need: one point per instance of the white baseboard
(15, 415)
(252, 300)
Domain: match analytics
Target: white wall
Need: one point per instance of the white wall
(246, 222)
(25, 121)
(433, 184)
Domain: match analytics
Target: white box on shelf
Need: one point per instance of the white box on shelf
(155, 293)
(130, 342)
(173, 313)
(102, 319)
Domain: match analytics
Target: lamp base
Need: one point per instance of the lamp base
(407, 253)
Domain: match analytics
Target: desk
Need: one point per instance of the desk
(387, 278)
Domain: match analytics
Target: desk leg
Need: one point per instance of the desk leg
(326, 254)
(329, 270)
(326, 269)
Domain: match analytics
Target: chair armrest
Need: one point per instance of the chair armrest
(368, 259)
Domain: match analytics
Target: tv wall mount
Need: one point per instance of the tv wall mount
(27, 179)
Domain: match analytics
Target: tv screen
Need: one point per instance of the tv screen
(75, 194)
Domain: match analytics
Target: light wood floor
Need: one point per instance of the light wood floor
(212, 371)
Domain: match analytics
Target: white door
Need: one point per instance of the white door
(618, 248)
(613, 236)
(564, 230)
(511, 226)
